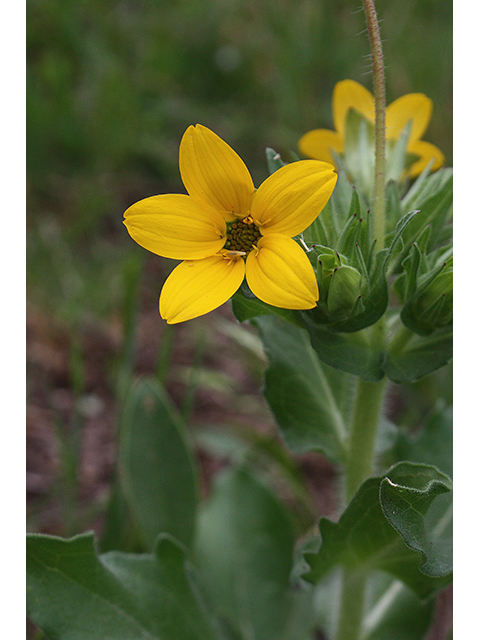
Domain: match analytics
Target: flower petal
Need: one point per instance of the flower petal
(175, 226)
(290, 199)
(196, 287)
(413, 106)
(280, 274)
(318, 143)
(426, 151)
(347, 95)
(212, 172)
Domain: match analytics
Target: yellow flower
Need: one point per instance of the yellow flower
(348, 94)
(224, 230)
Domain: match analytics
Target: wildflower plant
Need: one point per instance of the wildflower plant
(343, 264)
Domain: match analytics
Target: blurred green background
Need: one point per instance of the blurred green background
(111, 87)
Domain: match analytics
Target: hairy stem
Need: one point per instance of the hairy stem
(380, 102)
(359, 466)
(366, 419)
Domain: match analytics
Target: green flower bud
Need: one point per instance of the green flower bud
(324, 261)
(431, 306)
(436, 302)
(344, 289)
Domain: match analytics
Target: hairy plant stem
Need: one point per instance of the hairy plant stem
(359, 466)
(370, 395)
(351, 605)
(363, 435)
(380, 102)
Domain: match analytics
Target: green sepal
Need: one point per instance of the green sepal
(430, 304)
(328, 225)
(274, 160)
(344, 289)
(397, 159)
(358, 155)
(434, 210)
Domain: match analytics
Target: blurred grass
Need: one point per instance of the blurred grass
(111, 87)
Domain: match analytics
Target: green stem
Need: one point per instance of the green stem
(359, 466)
(400, 339)
(366, 419)
(370, 395)
(351, 605)
(380, 103)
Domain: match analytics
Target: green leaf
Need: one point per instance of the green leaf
(419, 355)
(245, 308)
(406, 496)
(244, 552)
(299, 392)
(364, 538)
(156, 467)
(350, 352)
(432, 443)
(74, 594)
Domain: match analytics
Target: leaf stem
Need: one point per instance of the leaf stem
(380, 104)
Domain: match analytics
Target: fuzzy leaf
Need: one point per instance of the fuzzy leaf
(299, 392)
(244, 551)
(365, 538)
(74, 594)
(419, 356)
(156, 466)
(350, 352)
(406, 501)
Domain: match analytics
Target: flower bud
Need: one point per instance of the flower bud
(431, 306)
(344, 289)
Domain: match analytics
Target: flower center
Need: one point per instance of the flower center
(242, 235)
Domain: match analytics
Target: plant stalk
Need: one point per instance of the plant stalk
(366, 419)
(351, 605)
(370, 395)
(380, 105)
(359, 467)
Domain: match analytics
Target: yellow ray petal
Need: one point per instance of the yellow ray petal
(290, 199)
(349, 94)
(413, 106)
(212, 172)
(426, 151)
(280, 274)
(175, 226)
(196, 287)
(318, 144)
